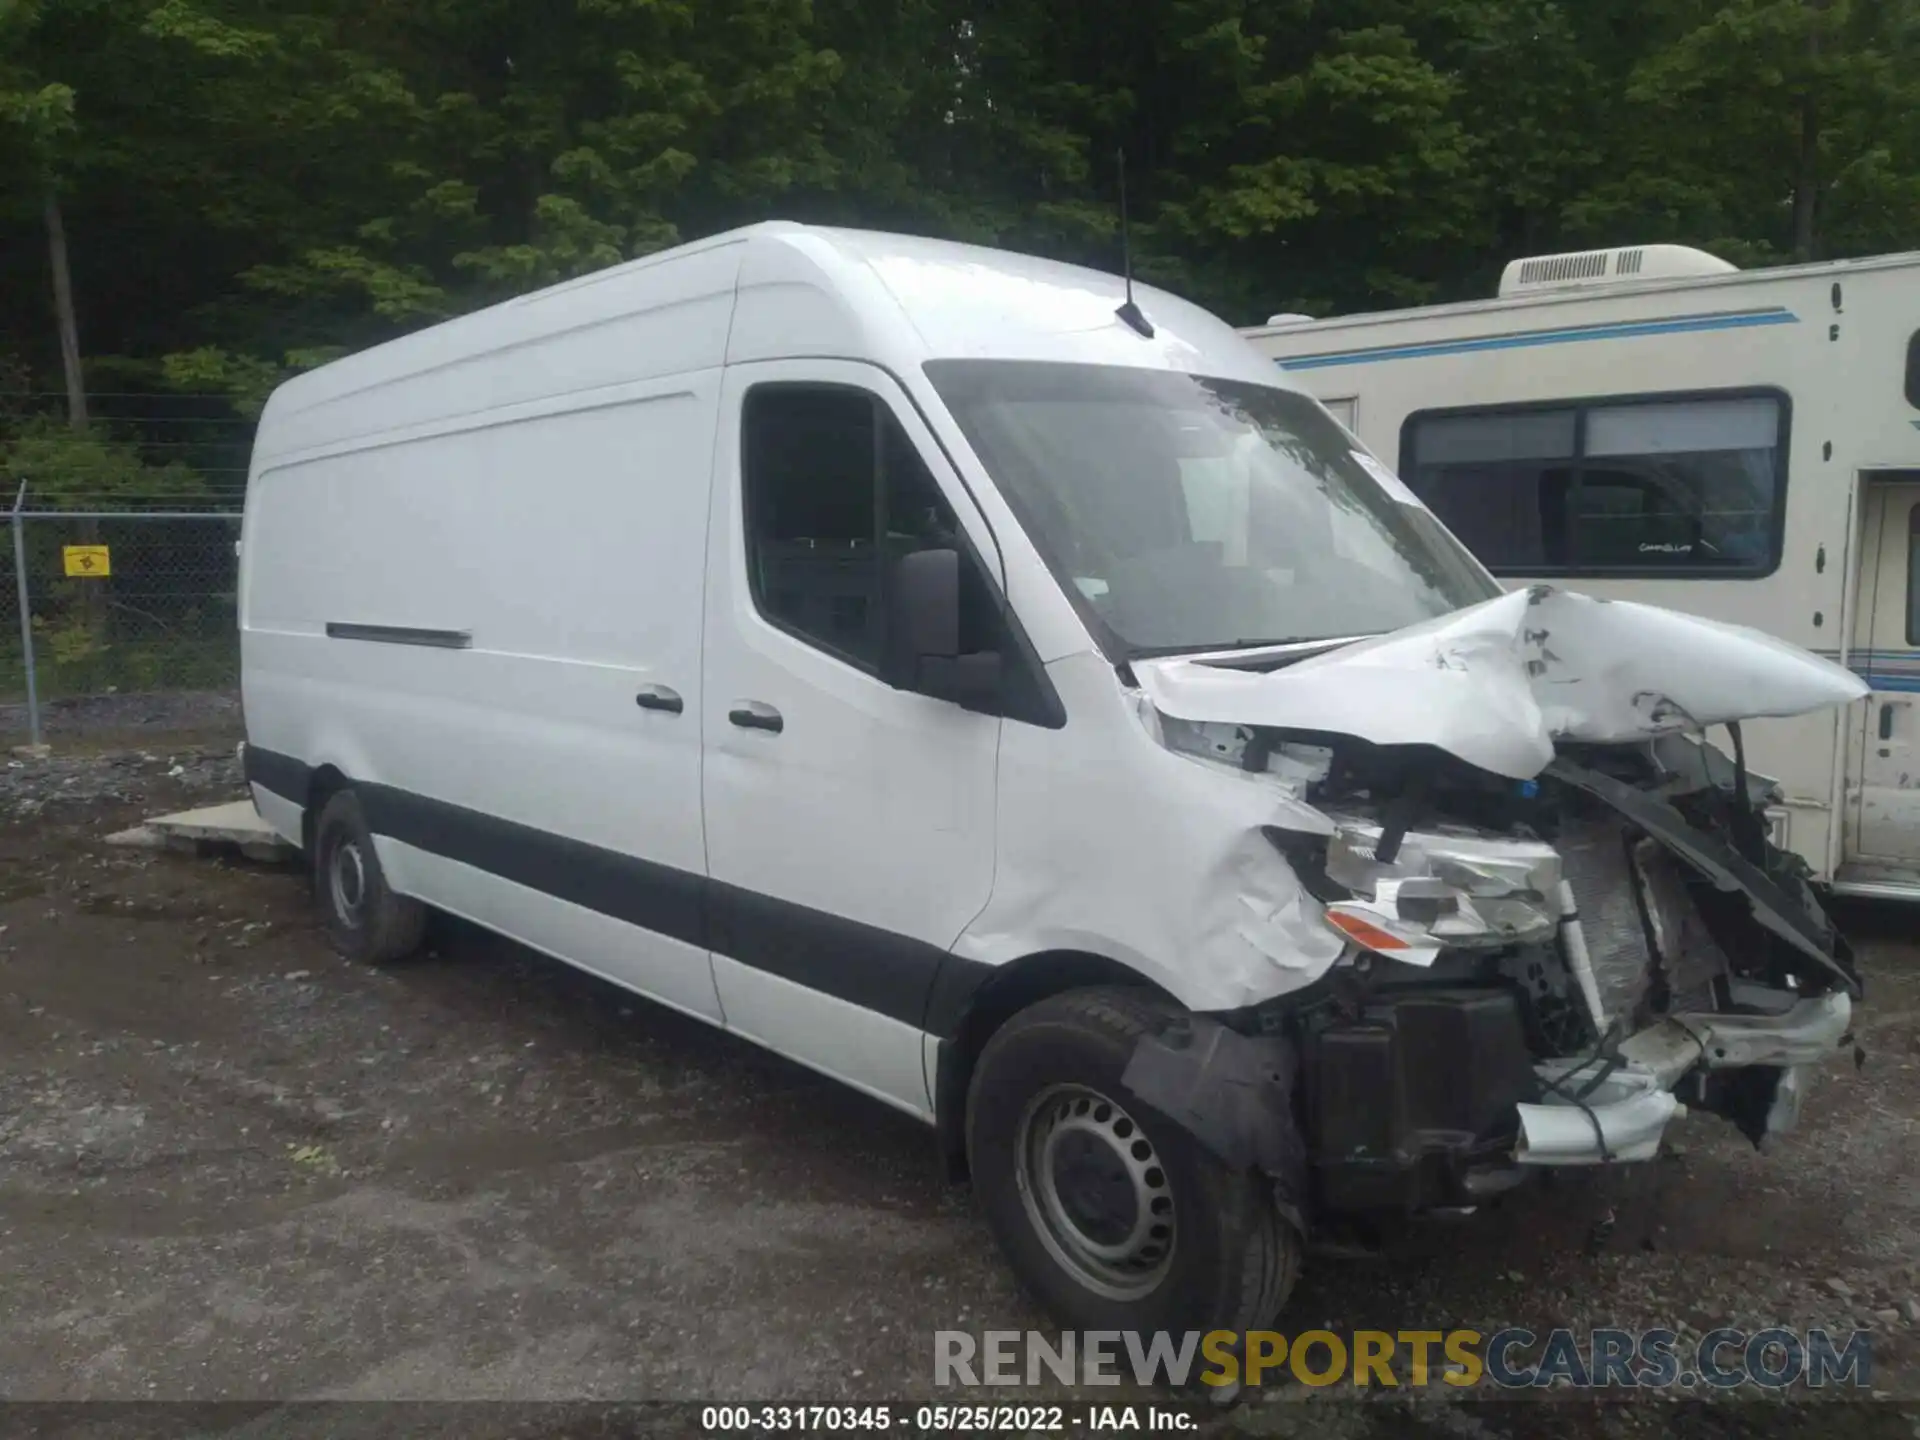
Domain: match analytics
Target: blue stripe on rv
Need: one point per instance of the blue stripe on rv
(1882, 669)
(1524, 339)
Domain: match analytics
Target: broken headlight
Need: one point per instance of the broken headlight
(1441, 888)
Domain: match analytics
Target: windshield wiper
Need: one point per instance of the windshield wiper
(1162, 652)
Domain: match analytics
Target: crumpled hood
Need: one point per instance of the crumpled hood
(1497, 683)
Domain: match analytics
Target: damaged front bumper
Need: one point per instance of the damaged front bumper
(1554, 991)
(1599, 1111)
(1426, 1098)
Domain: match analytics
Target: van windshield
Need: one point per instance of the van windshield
(1184, 513)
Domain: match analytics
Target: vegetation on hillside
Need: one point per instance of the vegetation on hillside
(247, 187)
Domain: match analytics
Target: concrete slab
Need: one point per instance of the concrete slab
(236, 820)
(235, 823)
(140, 837)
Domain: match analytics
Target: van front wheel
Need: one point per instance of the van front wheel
(1110, 1213)
(366, 921)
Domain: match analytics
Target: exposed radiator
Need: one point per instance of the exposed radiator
(1596, 865)
(1594, 860)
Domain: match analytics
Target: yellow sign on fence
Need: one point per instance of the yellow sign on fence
(90, 562)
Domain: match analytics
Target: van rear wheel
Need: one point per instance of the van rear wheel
(366, 921)
(1111, 1214)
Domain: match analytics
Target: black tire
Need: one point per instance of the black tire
(366, 921)
(1231, 1259)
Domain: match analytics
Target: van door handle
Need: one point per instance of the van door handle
(659, 697)
(756, 715)
(1886, 718)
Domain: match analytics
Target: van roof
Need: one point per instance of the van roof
(799, 290)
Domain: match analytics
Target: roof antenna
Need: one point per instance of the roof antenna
(1129, 312)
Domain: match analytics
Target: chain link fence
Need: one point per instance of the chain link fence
(118, 574)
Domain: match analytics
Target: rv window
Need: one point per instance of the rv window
(1514, 469)
(1665, 486)
(1497, 439)
(1913, 370)
(834, 491)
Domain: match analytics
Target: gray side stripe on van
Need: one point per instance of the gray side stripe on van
(401, 635)
(894, 975)
(657, 897)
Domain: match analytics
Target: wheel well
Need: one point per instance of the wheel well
(1009, 990)
(321, 787)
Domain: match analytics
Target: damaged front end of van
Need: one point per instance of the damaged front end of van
(1563, 921)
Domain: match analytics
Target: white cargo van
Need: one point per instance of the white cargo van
(910, 658)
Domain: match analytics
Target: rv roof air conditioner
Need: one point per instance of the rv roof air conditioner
(1587, 269)
(1289, 317)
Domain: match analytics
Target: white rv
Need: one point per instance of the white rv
(1031, 710)
(1654, 424)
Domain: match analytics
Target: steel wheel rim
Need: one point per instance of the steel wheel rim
(1096, 1191)
(347, 877)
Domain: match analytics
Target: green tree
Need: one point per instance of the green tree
(36, 145)
(250, 187)
(1768, 129)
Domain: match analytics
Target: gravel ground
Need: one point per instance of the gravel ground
(96, 721)
(235, 1167)
(64, 787)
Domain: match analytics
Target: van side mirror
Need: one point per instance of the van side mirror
(924, 653)
(926, 603)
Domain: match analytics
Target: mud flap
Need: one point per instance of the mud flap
(1746, 1097)
(1233, 1093)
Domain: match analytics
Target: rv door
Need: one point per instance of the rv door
(1886, 813)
